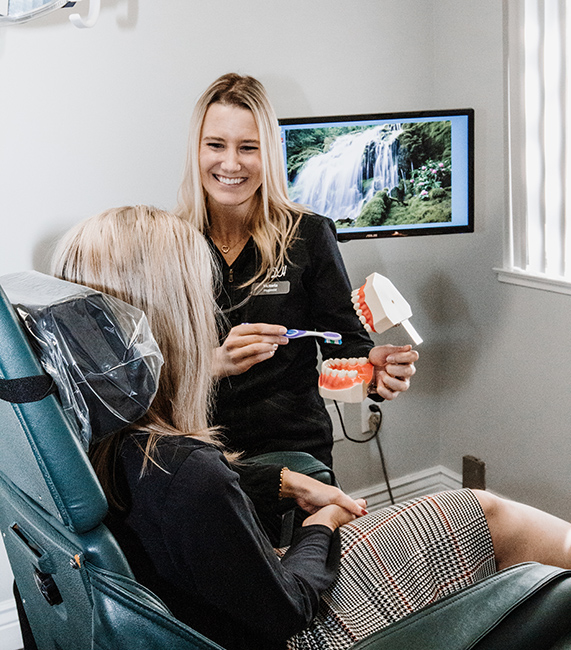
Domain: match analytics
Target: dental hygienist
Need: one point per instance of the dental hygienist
(280, 269)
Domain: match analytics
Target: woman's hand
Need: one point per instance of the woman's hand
(245, 346)
(332, 516)
(394, 366)
(327, 504)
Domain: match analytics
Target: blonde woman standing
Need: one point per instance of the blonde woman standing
(281, 269)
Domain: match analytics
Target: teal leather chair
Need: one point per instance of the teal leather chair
(79, 592)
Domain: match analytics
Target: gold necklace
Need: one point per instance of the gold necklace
(226, 249)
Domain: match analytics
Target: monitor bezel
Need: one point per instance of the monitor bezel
(346, 234)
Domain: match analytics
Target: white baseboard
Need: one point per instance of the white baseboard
(10, 637)
(427, 481)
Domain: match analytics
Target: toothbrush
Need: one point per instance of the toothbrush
(330, 337)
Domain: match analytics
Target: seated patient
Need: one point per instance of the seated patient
(188, 516)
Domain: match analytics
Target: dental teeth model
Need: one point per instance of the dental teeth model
(380, 306)
(345, 380)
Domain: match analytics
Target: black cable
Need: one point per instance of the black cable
(373, 434)
(374, 408)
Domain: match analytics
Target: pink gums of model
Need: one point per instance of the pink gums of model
(345, 380)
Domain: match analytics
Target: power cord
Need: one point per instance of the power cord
(375, 408)
(374, 433)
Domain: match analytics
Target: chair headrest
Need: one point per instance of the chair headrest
(98, 349)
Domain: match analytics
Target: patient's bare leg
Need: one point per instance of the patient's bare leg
(521, 533)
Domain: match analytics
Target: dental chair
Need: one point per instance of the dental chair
(76, 586)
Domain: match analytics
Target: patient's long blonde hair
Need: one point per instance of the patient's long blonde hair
(162, 265)
(274, 221)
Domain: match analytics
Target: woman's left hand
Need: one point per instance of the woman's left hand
(312, 495)
(394, 367)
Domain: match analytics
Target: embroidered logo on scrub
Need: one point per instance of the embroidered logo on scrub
(279, 273)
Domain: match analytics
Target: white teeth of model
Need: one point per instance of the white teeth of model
(352, 374)
(342, 373)
(326, 370)
(362, 319)
(359, 312)
(352, 361)
(368, 328)
(362, 361)
(334, 372)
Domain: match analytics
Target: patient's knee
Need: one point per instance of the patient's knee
(490, 503)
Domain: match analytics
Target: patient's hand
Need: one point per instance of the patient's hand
(318, 499)
(245, 346)
(331, 516)
(394, 367)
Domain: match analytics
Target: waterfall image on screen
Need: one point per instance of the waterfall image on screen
(382, 175)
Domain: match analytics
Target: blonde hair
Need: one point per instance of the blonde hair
(162, 265)
(274, 221)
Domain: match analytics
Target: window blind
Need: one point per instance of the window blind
(539, 137)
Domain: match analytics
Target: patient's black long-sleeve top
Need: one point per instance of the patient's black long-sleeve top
(193, 536)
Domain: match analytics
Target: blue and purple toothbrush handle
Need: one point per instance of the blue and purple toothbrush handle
(330, 337)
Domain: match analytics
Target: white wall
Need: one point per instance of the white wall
(96, 118)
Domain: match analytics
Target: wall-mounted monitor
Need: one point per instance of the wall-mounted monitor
(384, 175)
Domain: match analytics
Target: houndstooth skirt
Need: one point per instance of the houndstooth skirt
(397, 560)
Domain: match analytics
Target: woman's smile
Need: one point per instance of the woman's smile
(229, 181)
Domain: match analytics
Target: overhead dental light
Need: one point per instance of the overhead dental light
(21, 11)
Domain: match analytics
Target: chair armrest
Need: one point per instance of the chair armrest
(298, 461)
(524, 606)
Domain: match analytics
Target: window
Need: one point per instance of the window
(538, 241)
